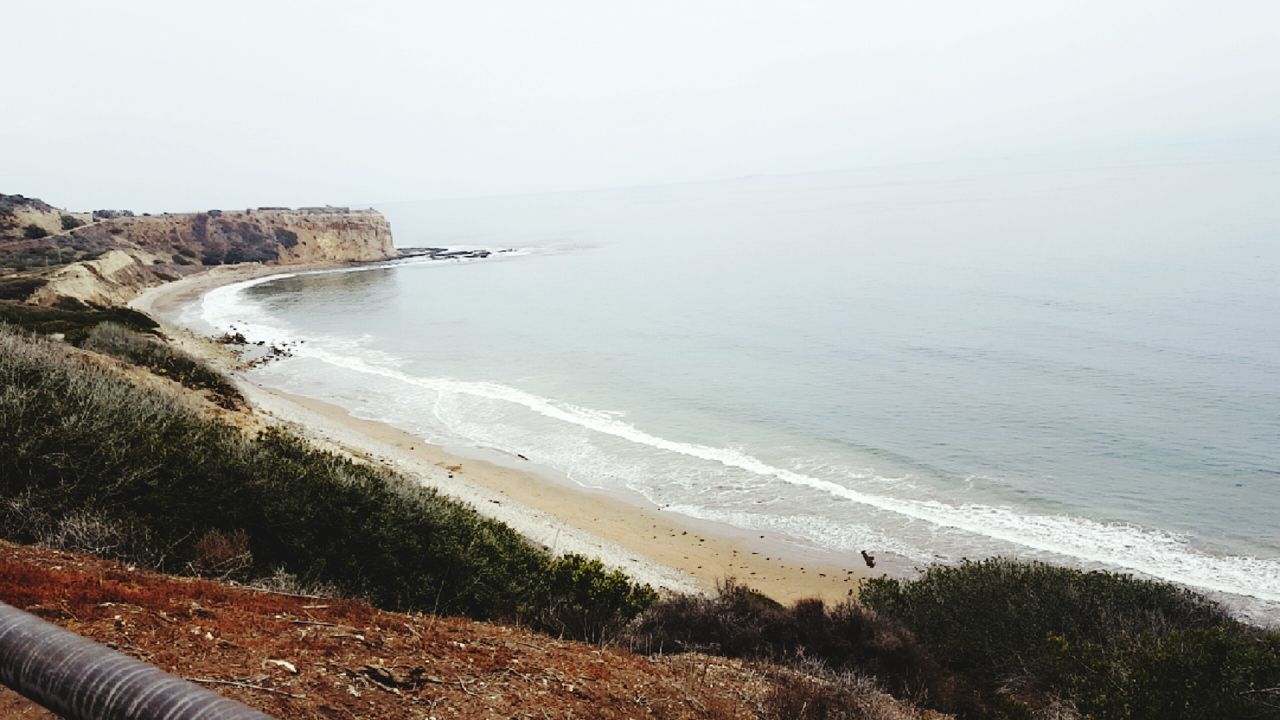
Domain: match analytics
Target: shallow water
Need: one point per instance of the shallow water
(1068, 359)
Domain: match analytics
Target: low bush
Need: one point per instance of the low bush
(1113, 645)
(72, 319)
(70, 222)
(111, 214)
(817, 693)
(221, 554)
(582, 598)
(113, 339)
(34, 232)
(80, 531)
(286, 238)
(994, 639)
(1221, 671)
(8, 203)
(740, 622)
(78, 438)
(20, 288)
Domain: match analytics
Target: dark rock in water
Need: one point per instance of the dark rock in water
(236, 338)
(869, 559)
(463, 254)
(436, 253)
(421, 252)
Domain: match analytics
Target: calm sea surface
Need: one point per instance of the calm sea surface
(1070, 359)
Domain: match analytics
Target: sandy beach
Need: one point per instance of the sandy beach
(665, 549)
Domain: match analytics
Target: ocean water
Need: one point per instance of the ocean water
(1069, 359)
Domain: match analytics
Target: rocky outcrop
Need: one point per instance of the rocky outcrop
(323, 236)
(268, 236)
(112, 258)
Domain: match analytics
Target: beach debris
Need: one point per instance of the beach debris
(869, 559)
(392, 678)
(522, 457)
(285, 664)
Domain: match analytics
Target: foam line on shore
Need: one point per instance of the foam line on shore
(1150, 552)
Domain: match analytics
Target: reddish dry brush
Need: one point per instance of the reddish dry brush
(222, 554)
(354, 660)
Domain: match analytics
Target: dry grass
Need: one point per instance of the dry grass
(820, 694)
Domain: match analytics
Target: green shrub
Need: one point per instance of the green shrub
(741, 622)
(69, 222)
(286, 238)
(76, 437)
(579, 597)
(34, 232)
(19, 288)
(1113, 645)
(1222, 671)
(149, 352)
(72, 319)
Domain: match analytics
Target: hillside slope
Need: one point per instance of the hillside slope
(352, 660)
(20, 214)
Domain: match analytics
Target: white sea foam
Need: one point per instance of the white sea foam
(823, 532)
(1151, 552)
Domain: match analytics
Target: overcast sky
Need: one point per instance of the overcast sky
(173, 105)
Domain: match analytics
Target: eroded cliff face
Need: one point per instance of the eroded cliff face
(112, 279)
(326, 237)
(110, 260)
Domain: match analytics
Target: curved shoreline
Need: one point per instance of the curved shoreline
(664, 549)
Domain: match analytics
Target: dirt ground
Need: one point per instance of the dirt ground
(354, 661)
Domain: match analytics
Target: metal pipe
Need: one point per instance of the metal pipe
(81, 680)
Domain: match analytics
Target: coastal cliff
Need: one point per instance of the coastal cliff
(108, 257)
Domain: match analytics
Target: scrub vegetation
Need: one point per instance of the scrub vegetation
(1000, 639)
(1108, 644)
(153, 354)
(73, 321)
(91, 461)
